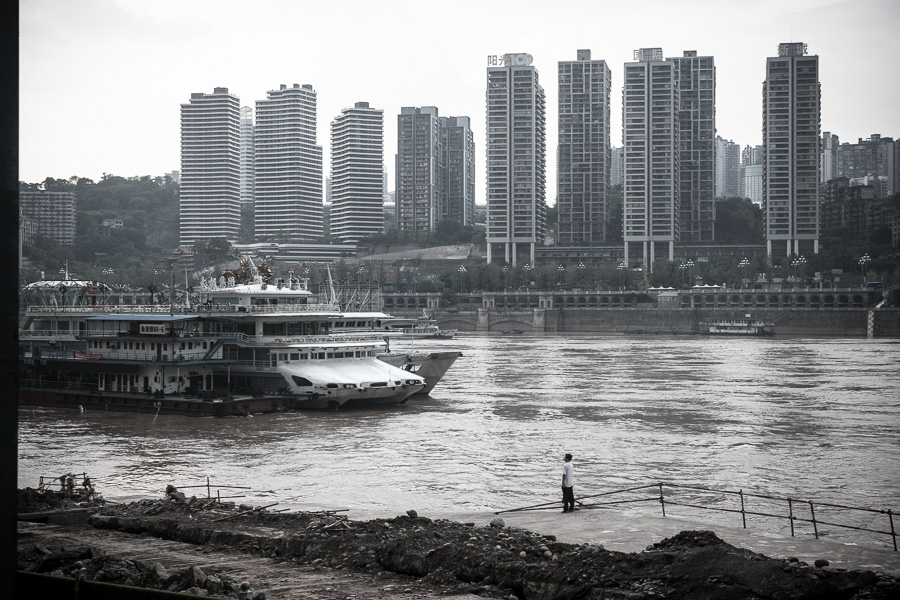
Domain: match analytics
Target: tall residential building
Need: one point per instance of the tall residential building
(288, 166)
(418, 169)
(752, 173)
(752, 183)
(697, 138)
(51, 215)
(583, 161)
(615, 165)
(791, 117)
(752, 155)
(651, 156)
(828, 157)
(875, 155)
(210, 192)
(357, 173)
(246, 157)
(728, 166)
(516, 158)
(458, 172)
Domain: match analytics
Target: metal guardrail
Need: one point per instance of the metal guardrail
(790, 503)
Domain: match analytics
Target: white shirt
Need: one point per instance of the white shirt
(568, 474)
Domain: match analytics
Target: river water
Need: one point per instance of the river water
(816, 419)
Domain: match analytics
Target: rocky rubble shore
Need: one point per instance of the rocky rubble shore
(449, 558)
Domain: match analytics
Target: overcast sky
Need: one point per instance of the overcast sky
(102, 81)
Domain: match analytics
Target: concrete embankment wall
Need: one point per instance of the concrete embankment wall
(853, 322)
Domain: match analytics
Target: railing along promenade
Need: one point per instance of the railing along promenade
(791, 507)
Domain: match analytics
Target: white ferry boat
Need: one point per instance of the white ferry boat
(737, 327)
(246, 347)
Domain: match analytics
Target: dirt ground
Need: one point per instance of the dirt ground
(209, 548)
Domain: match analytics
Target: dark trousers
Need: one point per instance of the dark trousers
(568, 498)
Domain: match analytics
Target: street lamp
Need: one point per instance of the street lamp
(799, 263)
(527, 268)
(562, 271)
(505, 271)
(690, 267)
(863, 265)
(462, 276)
(108, 272)
(621, 268)
(743, 265)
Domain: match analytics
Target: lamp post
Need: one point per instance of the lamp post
(690, 267)
(505, 271)
(798, 263)
(581, 269)
(562, 272)
(108, 272)
(462, 278)
(743, 265)
(621, 268)
(527, 268)
(863, 267)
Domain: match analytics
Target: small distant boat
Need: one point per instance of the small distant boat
(748, 327)
(423, 327)
(512, 332)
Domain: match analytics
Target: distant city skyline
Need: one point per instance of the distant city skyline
(76, 59)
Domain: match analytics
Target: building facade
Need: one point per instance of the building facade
(210, 191)
(791, 119)
(247, 157)
(651, 157)
(418, 199)
(728, 168)
(458, 171)
(875, 156)
(615, 165)
(697, 138)
(357, 173)
(51, 215)
(516, 159)
(583, 153)
(288, 166)
(828, 157)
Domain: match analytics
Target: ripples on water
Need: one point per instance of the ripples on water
(808, 418)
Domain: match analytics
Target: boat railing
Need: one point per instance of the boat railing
(198, 309)
(793, 510)
(288, 340)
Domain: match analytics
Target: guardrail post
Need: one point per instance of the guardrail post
(813, 512)
(791, 515)
(893, 533)
(662, 500)
(207, 486)
(743, 514)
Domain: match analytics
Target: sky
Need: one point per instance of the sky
(101, 81)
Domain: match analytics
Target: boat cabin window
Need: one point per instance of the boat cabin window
(301, 381)
(295, 356)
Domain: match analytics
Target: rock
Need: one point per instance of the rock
(498, 523)
(192, 577)
(821, 562)
(196, 591)
(413, 514)
(523, 554)
(155, 576)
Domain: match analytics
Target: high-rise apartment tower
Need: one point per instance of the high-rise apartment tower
(651, 156)
(458, 171)
(697, 138)
(418, 169)
(210, 192)
(357, 173)
(516, 158)
(791, 118)
(583, 154)
(288, 166)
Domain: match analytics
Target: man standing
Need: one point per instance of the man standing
(568, 481)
